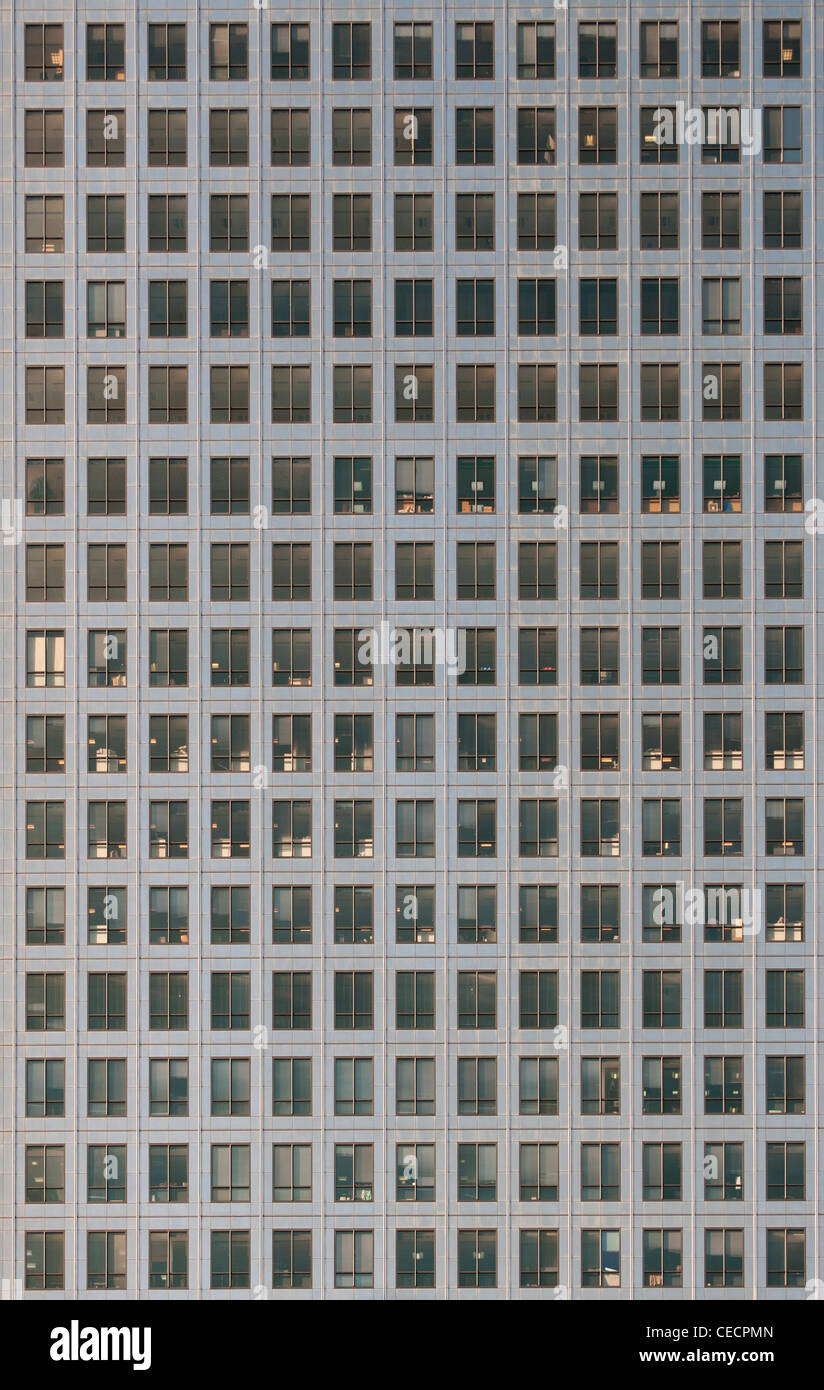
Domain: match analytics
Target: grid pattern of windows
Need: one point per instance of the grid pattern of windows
(414, 459)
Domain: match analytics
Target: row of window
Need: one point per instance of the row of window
(663, 1092)
(719, 387)
(475, 315)
(723, 132)
(416, 1179)
(231, 661)
(727, 913)
(415, 1265)
(723, 1003)
(414, 222)
(415, 828)
(474, 50)
(475, 483)
(353, 566)
(539, 748)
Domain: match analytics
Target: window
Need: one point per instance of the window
(229, 308)
(722, 653)
(168, 1259)
(167, 309)
(43, 139)
(535, 135)
(290, 138)
(659, 48)
(538, 913)
(45, 396)
(292, 999)
(722, 569)
(600, 1259)
(45, 1087)
(106, 1173)
(292, 1172)
(168, 395)
(413, 60)
(785, 1085)
(168, 220)
(289, 52)
(662, 826)
(45, 1002)
(353, 915)
(351, 52)
(414, 222)
(475, 223)
(600, 1086)
(600, 998)
(599, 655)
(166, 59)
(413, 309)
(228, 52)
(600, 912)
(662, 1259)
(166, 140)
(230, 1086)
(354, 1259)
(413, 136)
(659, 221)
(228, 137)
(353, 999)
(720, 48)
(721, 220)
(168, 487)
(661, 1172)
(781, 48)
(229, 395)
(477, 831)
(658, 141)
(786, 1258)
(292, 829)
(477, 1259)
(105, 52)
(783, 391)
(723, 1258)
(291, 1086)
(661, 998)
(477, 913)
(721, 390)
(230, 1259)
(597, 135)
(44, 309)
(168, 573)
(537, 743)
(538, 828)
(45, 916)
(661, 1085)
(536, 50)
(538, 1086)
(44, 222)
(782, 221)
(477, 1172)
(785, 911)
(351, 222)
(597, 49)
(43, 52)
(598, 392)
(474, 51)
(785, 998)
(106, 1253)
(291, 915)
(722, 135)
(352, 137)
(477, 1086)
(414, 914)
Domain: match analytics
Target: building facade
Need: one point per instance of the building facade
(411, 597)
